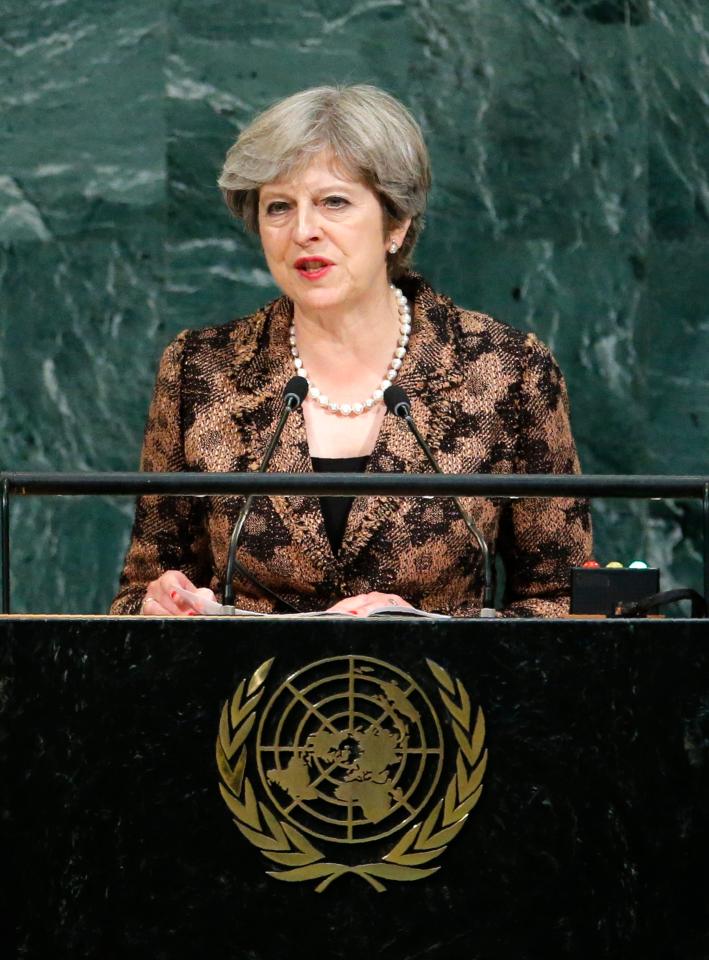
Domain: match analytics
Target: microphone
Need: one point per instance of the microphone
(398, 403)
(295, 392)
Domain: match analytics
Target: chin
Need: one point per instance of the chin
(320, 299)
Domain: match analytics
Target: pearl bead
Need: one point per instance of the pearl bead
(347, 409)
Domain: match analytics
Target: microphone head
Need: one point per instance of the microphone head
(295, 392)
(397, 401)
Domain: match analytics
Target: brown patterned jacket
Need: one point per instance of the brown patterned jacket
(488, 398)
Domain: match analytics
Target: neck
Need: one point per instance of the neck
(344, 329)
(347, 354)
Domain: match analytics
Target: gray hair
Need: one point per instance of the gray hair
(369, 132)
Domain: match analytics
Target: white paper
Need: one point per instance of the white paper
(211, 608)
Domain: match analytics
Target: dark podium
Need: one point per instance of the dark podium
(260, 789)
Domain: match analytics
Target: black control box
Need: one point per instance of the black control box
(601, 589)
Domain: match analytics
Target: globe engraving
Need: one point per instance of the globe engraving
(349, 749)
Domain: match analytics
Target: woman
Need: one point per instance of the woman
(334, 181)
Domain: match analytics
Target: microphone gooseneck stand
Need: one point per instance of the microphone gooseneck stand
(398, 403)
(295, 392)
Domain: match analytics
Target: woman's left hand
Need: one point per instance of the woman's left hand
(364, 603)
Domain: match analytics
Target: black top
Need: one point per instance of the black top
(336, 510)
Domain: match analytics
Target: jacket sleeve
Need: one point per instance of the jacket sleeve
(540, 539)
(168, 532)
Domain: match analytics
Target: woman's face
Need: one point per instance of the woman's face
(323, 237)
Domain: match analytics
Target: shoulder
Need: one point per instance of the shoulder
(478, 336)
(528, 365)
(523, 349)
(238, 336)
(235, 343)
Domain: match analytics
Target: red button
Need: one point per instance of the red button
(591, 563)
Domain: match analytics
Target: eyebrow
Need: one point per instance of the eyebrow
(338, 187)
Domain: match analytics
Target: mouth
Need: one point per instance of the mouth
(313, 267)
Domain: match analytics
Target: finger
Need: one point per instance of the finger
(203, 596)
(178, 604)
(162, 592)
(398, 601)
(349, 604)
(170, 598)
(363, 603)
(161, 605)
(152, 608)
(377, 596)
(386, 600)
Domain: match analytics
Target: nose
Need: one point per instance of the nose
(307, 225)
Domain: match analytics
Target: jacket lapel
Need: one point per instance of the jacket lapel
(262, 378)
(430, 371)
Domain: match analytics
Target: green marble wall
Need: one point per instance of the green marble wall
(571, 162)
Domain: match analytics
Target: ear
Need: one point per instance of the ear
(398, 233)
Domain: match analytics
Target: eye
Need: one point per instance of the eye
(335, 202)
(275, 207)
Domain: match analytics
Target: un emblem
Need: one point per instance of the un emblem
(349, 750)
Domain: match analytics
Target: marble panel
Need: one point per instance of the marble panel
(82, 259)
(81, 327)
(82, 119)
(678, 50)
(537, 123)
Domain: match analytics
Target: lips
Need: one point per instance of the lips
(312, 268)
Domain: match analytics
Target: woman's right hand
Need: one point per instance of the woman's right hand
(162, 600)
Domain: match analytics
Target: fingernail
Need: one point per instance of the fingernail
(191, 613)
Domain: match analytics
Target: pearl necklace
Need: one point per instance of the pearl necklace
(355, 409)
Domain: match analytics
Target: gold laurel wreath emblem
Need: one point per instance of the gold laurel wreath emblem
(284, 844)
